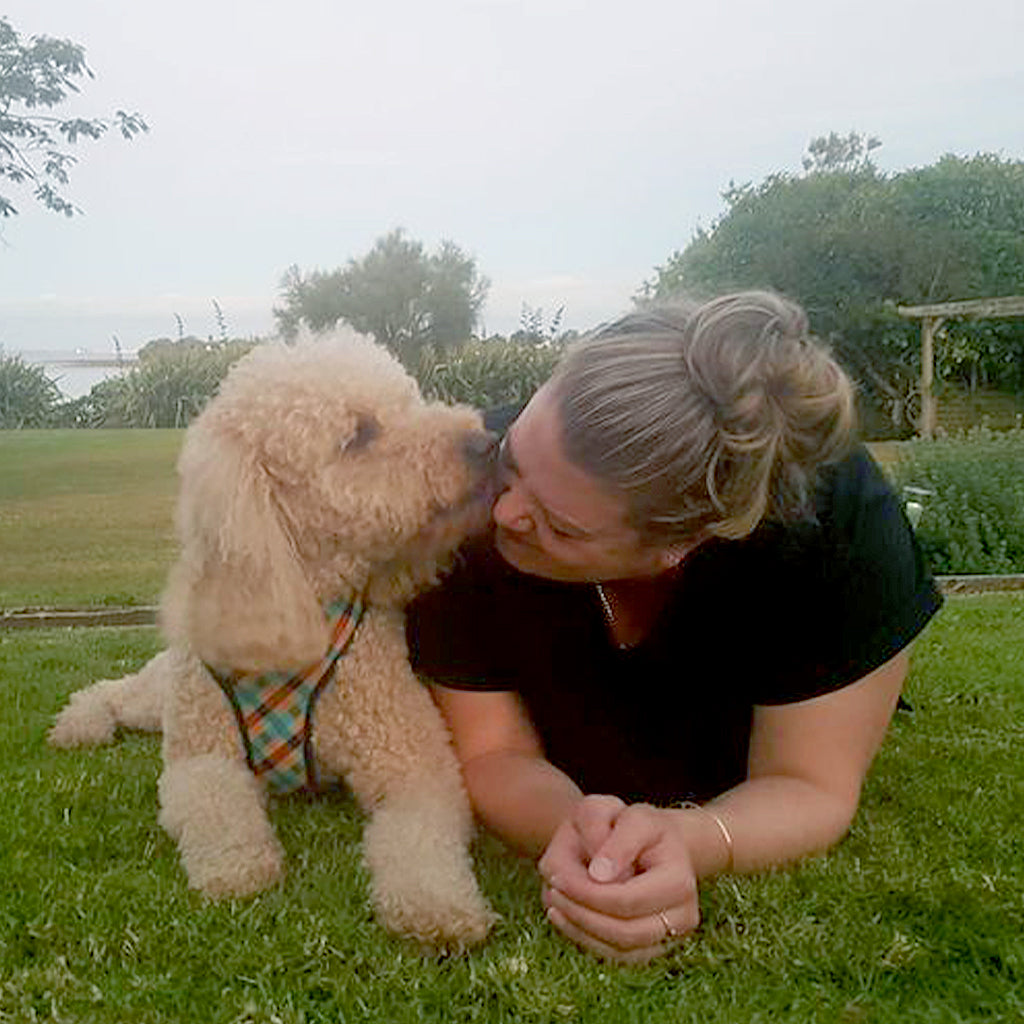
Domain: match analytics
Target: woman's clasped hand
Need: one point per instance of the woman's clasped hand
(619, 880)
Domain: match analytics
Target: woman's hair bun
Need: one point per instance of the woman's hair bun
(711, 416)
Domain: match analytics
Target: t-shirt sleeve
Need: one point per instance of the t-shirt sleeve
(864, 593)
(454, 630)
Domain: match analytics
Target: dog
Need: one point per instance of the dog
(319, 492)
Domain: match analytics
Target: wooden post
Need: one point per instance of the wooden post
(932, 317)
(926, 426)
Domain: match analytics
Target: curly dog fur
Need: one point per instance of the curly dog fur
(317, 473)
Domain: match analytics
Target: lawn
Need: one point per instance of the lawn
(85, 516)
(918, 916)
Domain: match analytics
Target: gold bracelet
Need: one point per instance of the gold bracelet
(689, 805)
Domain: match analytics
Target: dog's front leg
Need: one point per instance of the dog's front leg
(416, 847)
(210, 802)
(379, 728)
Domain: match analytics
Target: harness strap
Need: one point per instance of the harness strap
(274, 710)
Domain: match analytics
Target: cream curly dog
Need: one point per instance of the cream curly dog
(319, 492)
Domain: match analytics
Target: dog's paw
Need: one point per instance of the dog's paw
(224, 856)
(452, 918)
(221, 875)
(87, 721)
(421, 872)
(214, 809)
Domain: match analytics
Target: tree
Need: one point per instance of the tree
(453, 298)
(834, 152)
(850, 243)
(37, 75)
(403, 297)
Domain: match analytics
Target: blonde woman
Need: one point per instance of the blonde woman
(679, 651)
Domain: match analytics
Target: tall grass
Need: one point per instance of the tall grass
(170, 387)
(486, 374)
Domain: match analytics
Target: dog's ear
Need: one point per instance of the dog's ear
(238, 595)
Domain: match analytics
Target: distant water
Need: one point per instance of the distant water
(76, 373)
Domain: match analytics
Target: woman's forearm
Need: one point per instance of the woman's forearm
(807, 763)
(769, 821)
(520, 797)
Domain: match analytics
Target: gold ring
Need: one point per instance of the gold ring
(670, 932)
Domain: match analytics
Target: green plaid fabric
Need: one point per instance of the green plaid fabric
(274, 711)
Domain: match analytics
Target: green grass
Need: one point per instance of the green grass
(918, 916)
(85, 516)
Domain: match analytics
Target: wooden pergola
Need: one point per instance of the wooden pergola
(932, 318)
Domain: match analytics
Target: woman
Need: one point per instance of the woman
(680, 651)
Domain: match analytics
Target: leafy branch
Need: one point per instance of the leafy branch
(37, 75)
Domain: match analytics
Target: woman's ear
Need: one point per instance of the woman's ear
(673, 556)
(238, 595)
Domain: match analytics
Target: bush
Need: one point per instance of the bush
(488, 373)
(167, 389)
(28, 397)
(91, 410)
(973, 522)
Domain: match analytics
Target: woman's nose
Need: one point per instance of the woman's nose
(512, 511)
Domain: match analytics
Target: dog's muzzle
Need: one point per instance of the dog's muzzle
(480, 449)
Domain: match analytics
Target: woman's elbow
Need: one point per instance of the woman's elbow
(837, 813)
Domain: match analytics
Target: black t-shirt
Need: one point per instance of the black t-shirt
(789, 613)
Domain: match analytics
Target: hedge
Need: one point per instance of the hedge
(972, 516)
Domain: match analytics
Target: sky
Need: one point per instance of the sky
(569, 146)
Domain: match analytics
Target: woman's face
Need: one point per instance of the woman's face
(556, 521)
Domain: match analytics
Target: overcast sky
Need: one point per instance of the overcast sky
(570, 147)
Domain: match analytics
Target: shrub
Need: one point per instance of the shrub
(486, 374)
(28, 397)
(91, 410)
(167, 389)
(973, 521)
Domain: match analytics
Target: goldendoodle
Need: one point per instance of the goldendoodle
(318, 492)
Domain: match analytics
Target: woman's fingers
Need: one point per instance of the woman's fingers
(649, 898)
(595, 819)
(643, 866)
(628, 915)
(583, 939)
(570, 852)
(565, 858)
(647, 929)
(633, 831)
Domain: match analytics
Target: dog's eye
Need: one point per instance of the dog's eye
(367, 430)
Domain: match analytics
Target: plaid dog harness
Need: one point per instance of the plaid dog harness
(274, 711)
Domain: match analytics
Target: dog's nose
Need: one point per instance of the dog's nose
(480, 448)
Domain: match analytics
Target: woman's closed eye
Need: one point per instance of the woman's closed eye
(564, 532)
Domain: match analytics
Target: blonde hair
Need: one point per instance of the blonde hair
(708, 417)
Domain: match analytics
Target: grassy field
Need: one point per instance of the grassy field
(918, 916)
(85, 516)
